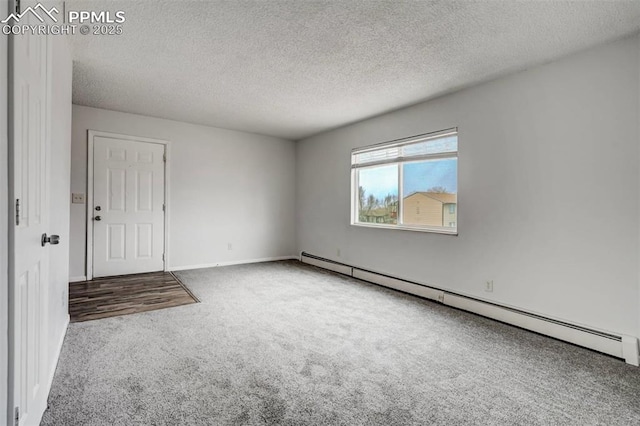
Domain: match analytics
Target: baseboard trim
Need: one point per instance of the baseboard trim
(230, 263)
(332, 266)
(617, 345)
(401, 285)
(77, 279)
(563, 331)
(630, 350)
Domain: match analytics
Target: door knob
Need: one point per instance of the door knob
(98, 208)
(98, 218)
(53, 240)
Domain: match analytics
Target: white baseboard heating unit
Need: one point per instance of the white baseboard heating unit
(620, 346)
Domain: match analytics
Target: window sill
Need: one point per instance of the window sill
(444, 231)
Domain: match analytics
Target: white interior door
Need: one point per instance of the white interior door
(29, 158)
(128, 206)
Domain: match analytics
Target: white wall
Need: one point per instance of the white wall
(548, 191)
(225, 187)
(60, 128)
(4, 232)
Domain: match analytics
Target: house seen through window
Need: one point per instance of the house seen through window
(408, 184)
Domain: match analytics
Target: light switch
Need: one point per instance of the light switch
(77, 198)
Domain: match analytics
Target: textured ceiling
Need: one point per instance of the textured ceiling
(296, 68)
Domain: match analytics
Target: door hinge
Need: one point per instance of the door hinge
(16, 416)
(163, 257)
(163, 207)
(164, 157)
(17, 211)
(17, 6)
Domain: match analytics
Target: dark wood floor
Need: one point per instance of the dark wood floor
(126, 294)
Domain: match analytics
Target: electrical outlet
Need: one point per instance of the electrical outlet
(77, 198)
(488, 286)
(229, 246)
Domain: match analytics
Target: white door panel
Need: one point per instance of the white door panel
(30, 178)
(128, 199)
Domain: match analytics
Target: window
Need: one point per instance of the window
(407, 184)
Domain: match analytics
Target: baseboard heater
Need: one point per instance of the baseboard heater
(620, 346)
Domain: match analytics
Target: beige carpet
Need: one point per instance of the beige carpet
(285, 343)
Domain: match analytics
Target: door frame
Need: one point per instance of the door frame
(91, 135)
(9, 391)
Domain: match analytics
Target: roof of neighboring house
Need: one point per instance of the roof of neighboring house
(444, 198)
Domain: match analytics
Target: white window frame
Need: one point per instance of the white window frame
(400, 161)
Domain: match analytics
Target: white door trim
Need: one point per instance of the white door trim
(91, 135)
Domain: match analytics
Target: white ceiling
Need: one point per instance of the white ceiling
(295, 68)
